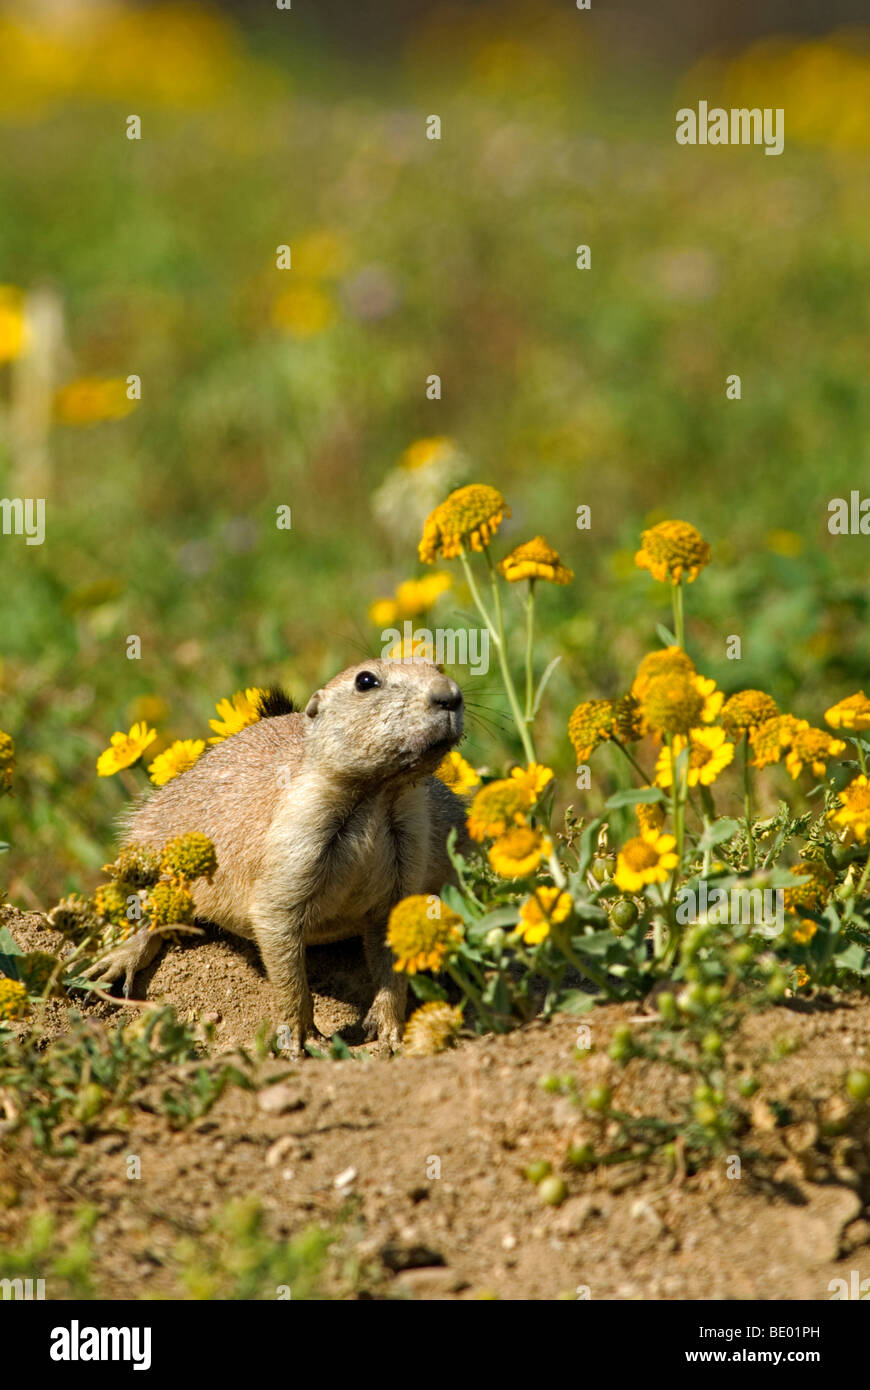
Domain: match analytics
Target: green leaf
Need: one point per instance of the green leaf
(718, 832)
(854, 958)
(9, 951)
(588, 844)
(665, 635)
(632, 796)
(543, 685)
(574, 1001)
(427, 989)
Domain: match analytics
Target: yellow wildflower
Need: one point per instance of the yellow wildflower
(650, 815)
(768, 740)
(545, 906)
(125, 749)
(413, 597)
(709, 753)
(853, 713)
(667, 662)
(422, 932)
(813, 894)
(138, 865)
(13, 1000)
(535, 559)
(497, 807)
(533, 779)
(92, 400)
(596, 721)
(110, 903)
(7, 761)
(467, 520)
(190, 856)
(672, 704)
(712, 697)
(180, 756)
(813, 746)
(518, 852)
(457, 774)
(236, 714)
(803, 934)
(648, 858)
(13, 325)
(854, 812)
(169, 903)
(673, 550)
(744, 711)
(802, 977)
(432, 1028)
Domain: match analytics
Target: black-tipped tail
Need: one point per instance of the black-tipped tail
(275, 701)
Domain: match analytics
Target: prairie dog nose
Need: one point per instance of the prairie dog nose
(445, 694)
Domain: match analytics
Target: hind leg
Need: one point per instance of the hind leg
(386, 1017)
(126, 960)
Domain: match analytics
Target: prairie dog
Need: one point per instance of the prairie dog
(322, 821)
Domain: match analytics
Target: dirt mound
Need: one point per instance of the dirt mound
(422, 1161)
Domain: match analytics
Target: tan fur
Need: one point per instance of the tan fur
(321, 822)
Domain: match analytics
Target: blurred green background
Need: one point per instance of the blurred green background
(306, 387)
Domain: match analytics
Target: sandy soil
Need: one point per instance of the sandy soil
(798, 1217)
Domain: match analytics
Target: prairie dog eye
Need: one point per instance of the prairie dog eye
(366, 680)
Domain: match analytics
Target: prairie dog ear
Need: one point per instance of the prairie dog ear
(313, 704)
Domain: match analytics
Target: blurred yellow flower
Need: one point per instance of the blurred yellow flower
(648, 858)
(804, 933)
(535, 559)
(432, 1028)
(853, 713)
(322, 255)
(498, 806)
(178, 758)
(422, 933)
(709, 754)
(518, 852)
(813, 746)
(650, 815)
(533, 779)
(236, 714)
(303, 311)
(412, 597)
(91, 400)
(787, 543)
(14, 1004)
(545, 906)
(769, 740)
(672, 704)
(596, 721)
(7, 761)
(467, 519)
(423, 452)
(746, 710)
(802, 977)
(457, 774)
(673, 550)
(854, 812)
(125, 749)
(13, 325)
(667, 662)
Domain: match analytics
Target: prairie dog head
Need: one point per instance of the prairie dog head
(383, 718)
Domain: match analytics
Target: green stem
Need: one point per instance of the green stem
(677, 603)
(581, 963)
(862, 756)
(747, 800)
(530, 630)
(510, 688)
(632, 759)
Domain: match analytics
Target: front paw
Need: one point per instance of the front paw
(125, 960)
(382, 1023)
